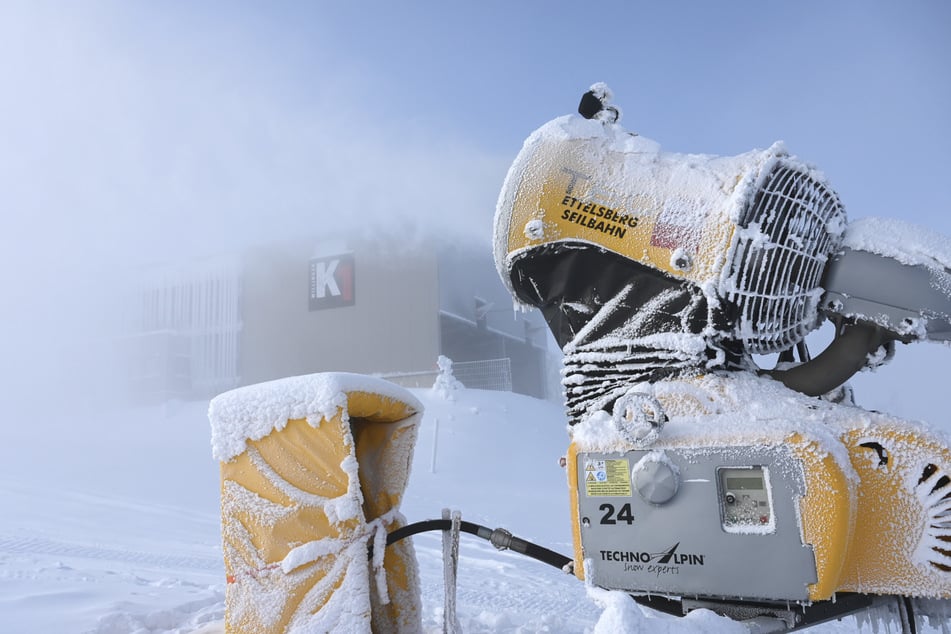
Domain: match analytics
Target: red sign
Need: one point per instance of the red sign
(332, 282)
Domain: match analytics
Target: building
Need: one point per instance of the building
(303, 306)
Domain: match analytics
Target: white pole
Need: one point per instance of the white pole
(432, 464)
(450, 563)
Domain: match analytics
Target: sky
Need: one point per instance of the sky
(150, 132)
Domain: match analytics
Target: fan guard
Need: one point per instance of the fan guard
(782, 244)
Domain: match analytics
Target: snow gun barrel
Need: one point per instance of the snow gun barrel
(908, 297)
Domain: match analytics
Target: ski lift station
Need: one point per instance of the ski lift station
(374, 307)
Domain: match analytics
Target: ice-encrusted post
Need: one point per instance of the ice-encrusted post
(450, 560)
(446, 384)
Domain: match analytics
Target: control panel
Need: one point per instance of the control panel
(695, 521)
(745, 495)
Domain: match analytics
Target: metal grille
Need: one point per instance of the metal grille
(782, 247)
(490, 374)
(934, 492)
(184, 332)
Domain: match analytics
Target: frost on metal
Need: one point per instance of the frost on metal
(254, 411)
(748, 238)
(313, 469)
(906, 533)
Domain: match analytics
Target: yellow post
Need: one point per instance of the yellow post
(313, 470)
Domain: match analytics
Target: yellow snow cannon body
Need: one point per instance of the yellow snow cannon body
(796, 500)
(696, 478)
(313, 469)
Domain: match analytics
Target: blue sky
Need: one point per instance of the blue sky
(166, 129)
(860, 88)
(245, 106)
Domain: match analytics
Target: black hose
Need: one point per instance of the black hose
(499, 537)
(846, 355)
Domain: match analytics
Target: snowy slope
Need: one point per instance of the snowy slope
(85, 555)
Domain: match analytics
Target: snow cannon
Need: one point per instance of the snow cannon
(697, 478)
(313, 469)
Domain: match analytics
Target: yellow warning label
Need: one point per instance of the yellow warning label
(607, 478)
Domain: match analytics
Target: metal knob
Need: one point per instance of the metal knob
(656, 480)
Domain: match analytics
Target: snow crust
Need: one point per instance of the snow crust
(620, 614)
(903, 241)
(655, 457)
(744, 409)
(915, 246)
(688, 189)
(253, 412)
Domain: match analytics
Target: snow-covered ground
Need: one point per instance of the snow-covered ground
(125, 538)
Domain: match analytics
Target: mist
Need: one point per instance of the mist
(133, 137)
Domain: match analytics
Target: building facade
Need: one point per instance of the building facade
(367, 306)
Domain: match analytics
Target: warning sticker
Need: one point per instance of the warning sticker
(607, 478)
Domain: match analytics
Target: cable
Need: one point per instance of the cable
(499, 537)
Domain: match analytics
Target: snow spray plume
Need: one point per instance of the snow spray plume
(145, 163)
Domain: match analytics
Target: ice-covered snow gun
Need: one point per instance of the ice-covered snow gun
(697, 478)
